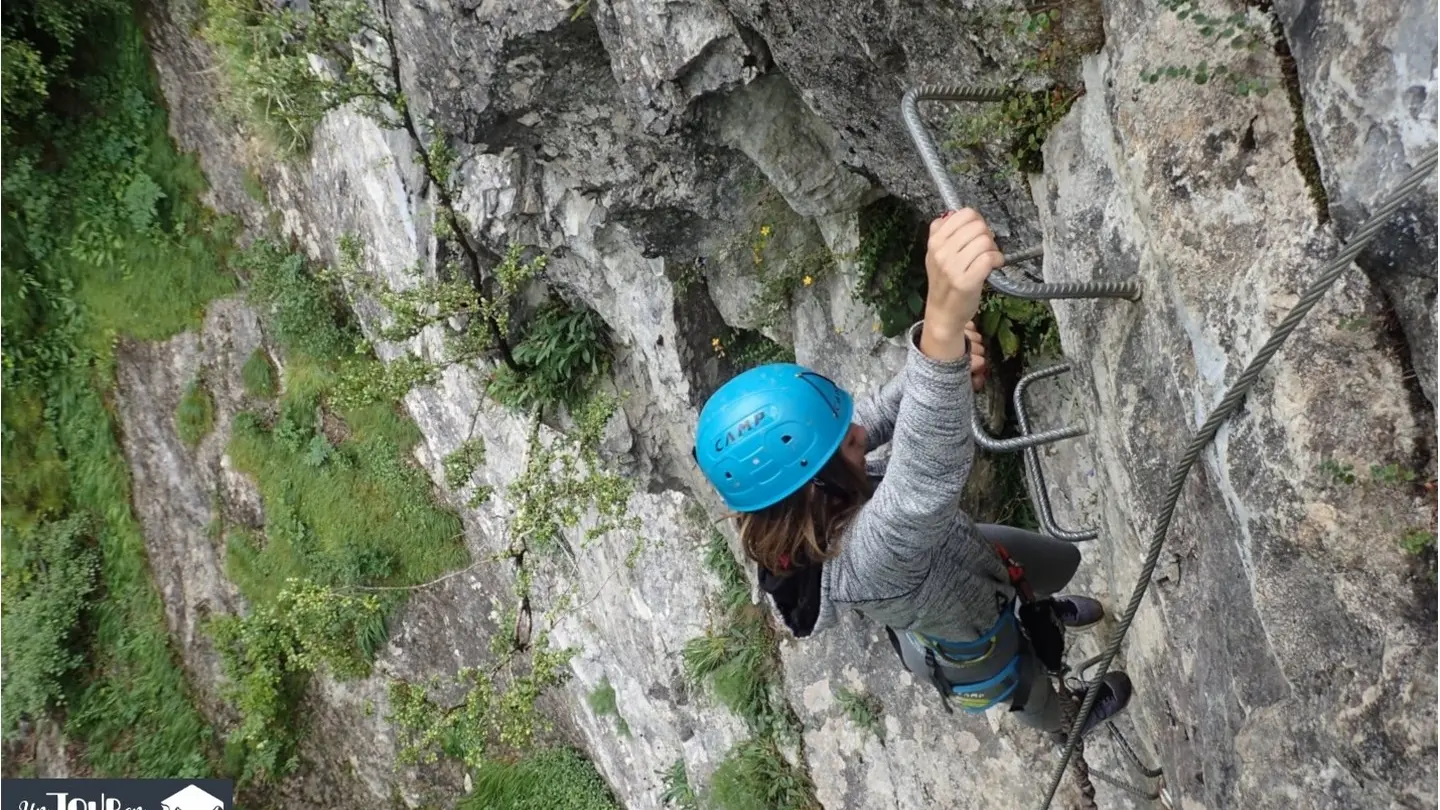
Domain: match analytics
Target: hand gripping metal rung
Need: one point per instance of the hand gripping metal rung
(930, 156)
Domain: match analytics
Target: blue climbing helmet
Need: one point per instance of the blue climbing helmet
(768, 431)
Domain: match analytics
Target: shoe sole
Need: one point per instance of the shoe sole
(1080, 628)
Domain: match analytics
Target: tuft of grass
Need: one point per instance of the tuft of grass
(602, 703)
(755, 776)
(677, 792)
(863, 709)
(195, 415)
(258, 375)
(1418, 541)
(734, 587)
(553, 779)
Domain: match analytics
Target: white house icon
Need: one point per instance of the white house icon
(192, 798)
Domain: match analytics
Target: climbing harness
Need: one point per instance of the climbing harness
(1024, 622)
(1201, 439)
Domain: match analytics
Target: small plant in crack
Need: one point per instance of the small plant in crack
(1236, 32)
(1338, 472)
(863, 709)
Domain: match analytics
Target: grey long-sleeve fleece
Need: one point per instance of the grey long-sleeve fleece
(911, 559)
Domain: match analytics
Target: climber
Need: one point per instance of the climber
(971, 609)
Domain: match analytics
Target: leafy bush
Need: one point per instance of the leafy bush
(1020, 326)
(891, 280)
(268, 656)
(563, 480)
(462, 462)
(564, 352)
(748, 348)
(755, 776)
(258, 375)
(264, 51)
(1018, 126)
(498, 710)
(195, 415)
(303, 314)
(47, 590)
(554, 779)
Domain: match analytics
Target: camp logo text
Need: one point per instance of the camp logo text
(738, 432)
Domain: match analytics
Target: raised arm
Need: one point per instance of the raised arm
(931, 447)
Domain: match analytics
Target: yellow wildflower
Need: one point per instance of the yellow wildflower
(764, 230)
(807, 281)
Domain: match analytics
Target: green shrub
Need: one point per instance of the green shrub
(195, 415)
(563, 479)
(49, 579)
(463, 461)
(890, 279)
(303, 314)
(1018, 126)
(268, 656)
(755, 776)
(264, 54)
(1418, 541)
(497, 712)
(747, 348)
(553, 779)
(1020, 326)
(564, 353)
(258, 375)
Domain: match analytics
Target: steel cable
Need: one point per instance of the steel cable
(1202, 438)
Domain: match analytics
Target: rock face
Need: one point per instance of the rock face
(1283, 657)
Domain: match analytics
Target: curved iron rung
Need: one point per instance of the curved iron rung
(930, 156)
(1039, 491)
(993, 445)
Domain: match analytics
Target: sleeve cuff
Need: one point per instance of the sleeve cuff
(917, 356)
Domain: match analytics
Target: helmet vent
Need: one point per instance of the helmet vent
(728, 475)
(804, 462)
(785, 439)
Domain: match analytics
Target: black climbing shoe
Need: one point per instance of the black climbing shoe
(1115, 693)
(1078, 612)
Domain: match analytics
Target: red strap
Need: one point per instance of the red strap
(1017, 574)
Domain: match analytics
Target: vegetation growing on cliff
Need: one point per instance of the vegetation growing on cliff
(103, 240)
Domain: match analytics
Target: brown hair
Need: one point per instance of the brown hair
(800, 529)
